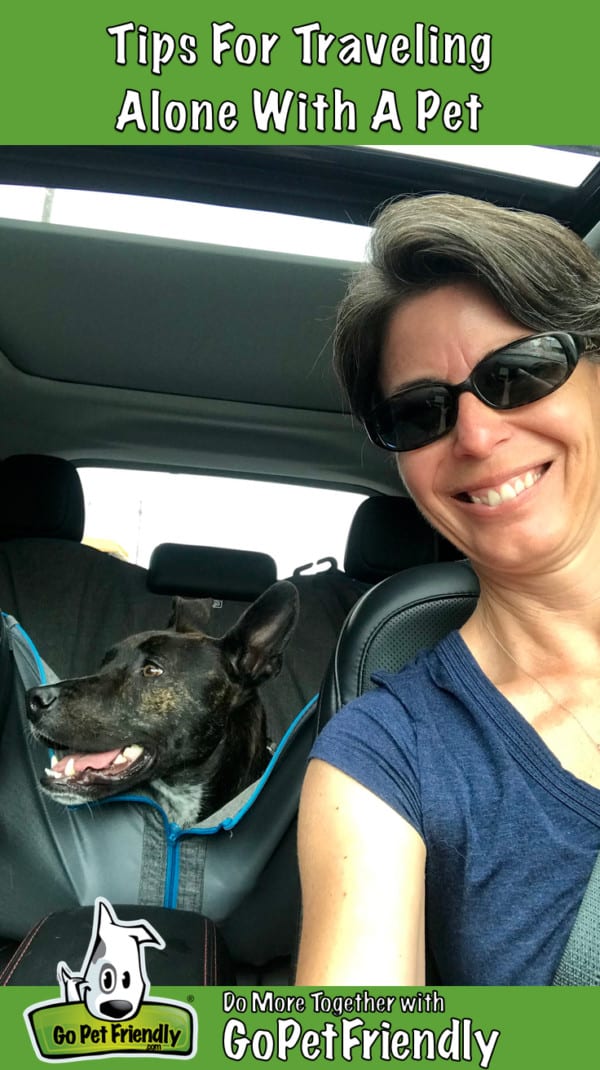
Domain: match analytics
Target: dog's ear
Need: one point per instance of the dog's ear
(190, 614)
(254, 646)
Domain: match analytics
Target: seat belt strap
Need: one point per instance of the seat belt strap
(580, 963)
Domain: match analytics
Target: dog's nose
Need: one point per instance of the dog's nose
(115, 1008)
(39, 701)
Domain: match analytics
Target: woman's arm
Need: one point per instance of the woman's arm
(362, 869)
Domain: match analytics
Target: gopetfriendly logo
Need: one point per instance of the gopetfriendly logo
(105, 1009)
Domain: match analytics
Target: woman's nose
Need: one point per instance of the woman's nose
(479, 428)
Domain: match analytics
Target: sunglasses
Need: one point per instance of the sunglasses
(520, 373)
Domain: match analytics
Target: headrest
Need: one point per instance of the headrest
(387, 535)
(41, 497)
(209, 571)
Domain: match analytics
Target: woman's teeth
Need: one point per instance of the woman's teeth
(493, 496)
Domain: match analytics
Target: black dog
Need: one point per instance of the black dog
(176, 710)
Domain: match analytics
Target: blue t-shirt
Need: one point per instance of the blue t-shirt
(511, 835)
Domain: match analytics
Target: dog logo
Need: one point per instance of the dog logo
(105, 1008)
(113, 979)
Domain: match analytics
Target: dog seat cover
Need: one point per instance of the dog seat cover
(51, 856)
(125, 848)
(75, 603)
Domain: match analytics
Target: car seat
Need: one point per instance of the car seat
(404, 614)
(388, 534)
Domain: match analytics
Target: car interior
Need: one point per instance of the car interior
(203, 345)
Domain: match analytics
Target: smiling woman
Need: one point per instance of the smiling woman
(466, 481)
(468, 346)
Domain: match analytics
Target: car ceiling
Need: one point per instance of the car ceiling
(138, 350)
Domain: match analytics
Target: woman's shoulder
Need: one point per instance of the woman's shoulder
(430, 677)
(402, 711)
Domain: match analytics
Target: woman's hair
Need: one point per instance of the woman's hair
(537, 270)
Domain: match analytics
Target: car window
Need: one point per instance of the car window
(129, 512)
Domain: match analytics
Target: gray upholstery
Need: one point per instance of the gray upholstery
(75, 602)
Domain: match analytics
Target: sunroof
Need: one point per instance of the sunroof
(186, 221)
(274, 231)
(565, 167)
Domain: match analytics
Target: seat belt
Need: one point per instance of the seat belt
(580, 963)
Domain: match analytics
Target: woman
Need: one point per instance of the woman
(460, 799)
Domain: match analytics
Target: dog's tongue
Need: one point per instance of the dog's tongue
(87, 761)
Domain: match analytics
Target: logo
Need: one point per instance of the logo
(105, 1009)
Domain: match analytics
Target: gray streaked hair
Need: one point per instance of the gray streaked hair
(536, 269)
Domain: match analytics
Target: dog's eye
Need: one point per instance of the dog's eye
(150, 668)
(126, 979)
(108, 978)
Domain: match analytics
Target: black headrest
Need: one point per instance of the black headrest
(41, 497)
(387, 535)
(209, 571)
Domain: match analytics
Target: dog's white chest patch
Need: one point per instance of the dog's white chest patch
(181, 804)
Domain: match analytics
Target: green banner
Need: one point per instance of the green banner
(229, 72)
(502, 1028)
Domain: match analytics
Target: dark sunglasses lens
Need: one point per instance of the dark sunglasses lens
(523, 372)
(517, 375)
(419, 416)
